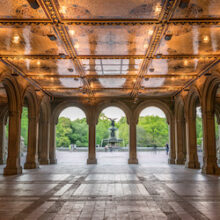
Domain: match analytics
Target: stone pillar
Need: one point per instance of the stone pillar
(133, 142)
(191, 143)
(209, 154)
(13, 161)
(52, 153)
(44, 134)
(32, 149)
(180, 144)
(92, 142)
(172, 154)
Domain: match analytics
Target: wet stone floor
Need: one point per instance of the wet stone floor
(112, 189)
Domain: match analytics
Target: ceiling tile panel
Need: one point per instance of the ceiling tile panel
(111, 40)
(20, 9)
(191, 39)
(60, 82)
(110, 9)
(177, 66)
(28, 40)
(199, 9)
(45, 67)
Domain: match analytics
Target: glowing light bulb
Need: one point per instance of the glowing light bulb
(150, 32)
(206, 39)
(63, 10)
(76, 45)
(16, 39)
(186, 62)
(158, 9)
(38, 62)
(145, 46)
(72, 32)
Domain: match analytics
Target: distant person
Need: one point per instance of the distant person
(167, 148)
(106, 148)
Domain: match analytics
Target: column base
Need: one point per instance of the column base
(180, 161)
(31, 165)
(91, 161)
(44, 162)
(171, 161)
(12, 171)
(192, 164)
(132, 161)
(211, 169)
(53, 161)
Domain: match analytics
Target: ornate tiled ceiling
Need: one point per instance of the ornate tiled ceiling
(125, 48)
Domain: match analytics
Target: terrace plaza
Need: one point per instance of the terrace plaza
(94, 54)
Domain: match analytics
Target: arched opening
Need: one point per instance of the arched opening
(217, 124)
(72, 136)
(24, 132)
(112, 136)
(199, 133)
(4, 119)
(152, 136)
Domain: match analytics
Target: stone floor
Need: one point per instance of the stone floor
(110, 190)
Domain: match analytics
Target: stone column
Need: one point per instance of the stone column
(92, 142)
(133, 142)
(52, 152)
(13, 161)
(191, 144)
(172, 154)
(209, 142)
(32, 149)
(44, 134)
(180, 136)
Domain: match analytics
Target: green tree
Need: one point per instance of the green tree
(102, 128)
(24, 125)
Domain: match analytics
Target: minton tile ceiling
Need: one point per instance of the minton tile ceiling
(126, 48)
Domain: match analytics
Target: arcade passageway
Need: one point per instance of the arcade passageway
(129, 54)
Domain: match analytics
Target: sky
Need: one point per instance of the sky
(111, 112)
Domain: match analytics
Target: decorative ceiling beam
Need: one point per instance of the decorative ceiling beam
(98, 22)
(22, 74)
(89, 57)
(50, 8)
(165, 15)
(201, 73)
(112, 88)
(127, 76)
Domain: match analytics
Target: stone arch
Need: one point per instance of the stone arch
(33, 107)
(209, 92)
(61, 106)
(154, 103)
(192, 97)
(117, 104)
(13, 93)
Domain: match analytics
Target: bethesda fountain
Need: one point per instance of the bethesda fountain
(112, 141)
